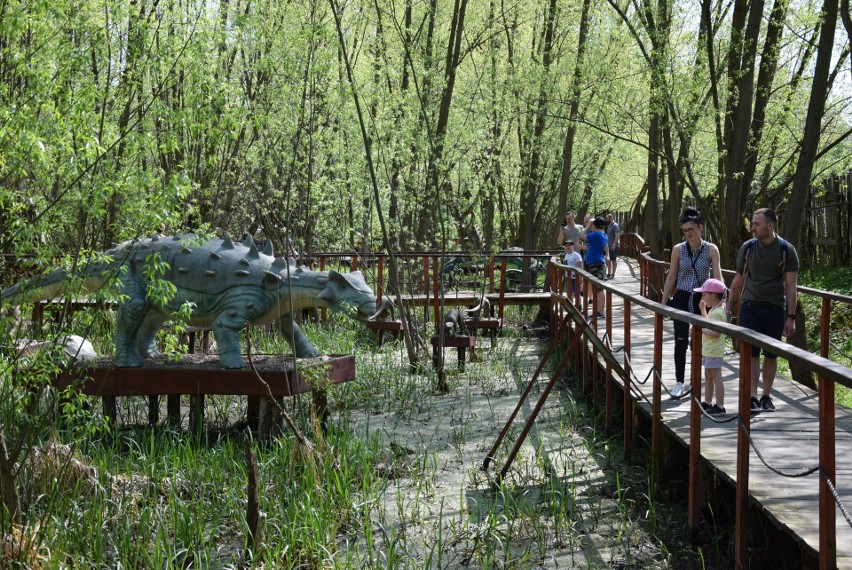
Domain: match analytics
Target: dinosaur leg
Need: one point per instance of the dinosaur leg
(293, 334)
(226, 329)
(147, 335)
(128, 320)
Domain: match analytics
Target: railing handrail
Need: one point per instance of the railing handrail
(829, 373)
(822, 366)
(821, 293)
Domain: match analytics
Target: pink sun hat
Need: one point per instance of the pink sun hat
(712, 286)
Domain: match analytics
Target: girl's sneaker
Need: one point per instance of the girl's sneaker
(716, 410)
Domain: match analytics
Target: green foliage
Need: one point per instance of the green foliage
(837, 280)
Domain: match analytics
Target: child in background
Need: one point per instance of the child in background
(713, 344)
(572, 259)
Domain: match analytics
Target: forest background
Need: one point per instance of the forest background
(471, 124)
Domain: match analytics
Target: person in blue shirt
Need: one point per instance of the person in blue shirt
(597, 254)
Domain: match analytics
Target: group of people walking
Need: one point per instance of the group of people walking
(594, 248)
(762, 295)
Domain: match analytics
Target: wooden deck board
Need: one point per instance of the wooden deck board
(788, 438)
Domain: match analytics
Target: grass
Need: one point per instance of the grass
(838, 280)
(395, 482)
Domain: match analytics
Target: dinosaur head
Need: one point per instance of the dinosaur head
(347, 291)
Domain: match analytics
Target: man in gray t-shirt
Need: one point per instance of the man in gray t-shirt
(613, 238)
(570, 231)
(767, 271)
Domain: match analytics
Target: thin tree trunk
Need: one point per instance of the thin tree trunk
(741, 61)
(657, 23)
(574, 110)
(765, 78)
(413, 358)
(7, 483)
(847, 22)
(532, 177)
(810, 141)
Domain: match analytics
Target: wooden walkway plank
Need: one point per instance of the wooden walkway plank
(788, 438)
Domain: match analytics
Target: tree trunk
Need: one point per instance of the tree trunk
(573, 112)
(813, 122)
(847, 21)
(530, 233)
(765, 78)
(745, 31)
(657, 22)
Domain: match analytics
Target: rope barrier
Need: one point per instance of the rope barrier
(838, 351)
(712, 418)
(834, 494)
(805, 473)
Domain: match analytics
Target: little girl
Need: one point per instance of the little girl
(713, 344)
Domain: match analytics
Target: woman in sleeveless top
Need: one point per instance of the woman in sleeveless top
(693, 262)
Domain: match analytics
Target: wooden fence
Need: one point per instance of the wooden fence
(827, 224)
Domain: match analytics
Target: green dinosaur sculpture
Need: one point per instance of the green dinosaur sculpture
(229, 285)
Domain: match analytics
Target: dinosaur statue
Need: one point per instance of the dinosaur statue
(454, 323)
(230, 286)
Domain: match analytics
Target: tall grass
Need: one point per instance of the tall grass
(394, 483)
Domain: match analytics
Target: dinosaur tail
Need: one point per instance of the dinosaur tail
(47, 286)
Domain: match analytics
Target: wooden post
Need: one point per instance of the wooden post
(380, 270)
(628, 401)
(608, 380)
(436, 291)
(322, 268)
(827, 521)
(656, 412)
(555, 287)
(425, 274)
(196, 413)
(741, 505)
(503, 279)
(695, 440)
(110, 410)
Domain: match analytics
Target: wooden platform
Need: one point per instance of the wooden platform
(189, 379)
(381, 327)
(462, 343)
(274, 378)
(787, 438)
(471, 298)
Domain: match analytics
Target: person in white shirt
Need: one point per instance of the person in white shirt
(572, 259)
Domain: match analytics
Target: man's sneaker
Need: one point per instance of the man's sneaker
(601, 316)
(716, 410)
(755, 405)
(677, 391)
(766, 403)
(705, 406)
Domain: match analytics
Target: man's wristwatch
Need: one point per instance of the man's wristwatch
(791, 316)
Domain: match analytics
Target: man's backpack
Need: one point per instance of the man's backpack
(752, 243)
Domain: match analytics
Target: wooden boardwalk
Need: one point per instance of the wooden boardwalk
(788, 439)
